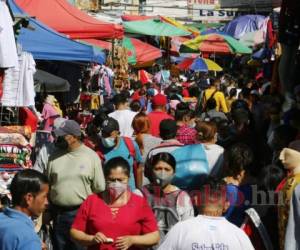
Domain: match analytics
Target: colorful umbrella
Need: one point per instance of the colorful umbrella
(154, 27)
(199, 64)
(215, 43)
(138, 51)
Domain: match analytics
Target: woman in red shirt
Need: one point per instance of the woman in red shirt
(116, 218)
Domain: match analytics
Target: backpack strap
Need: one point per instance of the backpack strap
(206, 100)
(131, 149)
(130, 146)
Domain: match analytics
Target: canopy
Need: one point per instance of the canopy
(199, 64)
(154, 27)
(44, 81)
(215, 43)
(65, 18)
(46, 44)
(242, 25)
(138, 51)
(129, 18)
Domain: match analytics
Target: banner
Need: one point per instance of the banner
(209, 11)
(250, 4)
(87, 4)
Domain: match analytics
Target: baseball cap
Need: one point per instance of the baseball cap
(68, 127)
(108, 126)
(159, 100)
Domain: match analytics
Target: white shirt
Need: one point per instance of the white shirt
(8, 49)
(18, 84)
(215, 158)
(203, 232)
(124, 118)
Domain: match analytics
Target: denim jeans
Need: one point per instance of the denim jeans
(61, 226)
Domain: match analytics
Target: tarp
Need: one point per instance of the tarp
(65, 18)
(138, 52)
(46, 44)
(242, 25)
(44, 81)
(129, 18)
(154, 27)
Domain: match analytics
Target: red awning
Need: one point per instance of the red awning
(144, 52)
(67, 19)
(128, 18)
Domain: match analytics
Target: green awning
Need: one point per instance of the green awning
(153, 27)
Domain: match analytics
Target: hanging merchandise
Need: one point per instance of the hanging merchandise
(18, 84)
(8, 50)
(119, 61)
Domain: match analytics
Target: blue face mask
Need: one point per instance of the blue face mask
(108, 142)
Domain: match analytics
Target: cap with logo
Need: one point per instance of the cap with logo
(108, 126)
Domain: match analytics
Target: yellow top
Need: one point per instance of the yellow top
(219, 97)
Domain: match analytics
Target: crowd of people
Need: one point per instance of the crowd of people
(198, 163)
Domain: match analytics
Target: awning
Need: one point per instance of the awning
(44, 81)
(65, 18)
(46, 44)
(154, 27)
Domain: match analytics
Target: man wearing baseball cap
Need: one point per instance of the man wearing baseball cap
(74, 172)
(113, 145)
(158, 114)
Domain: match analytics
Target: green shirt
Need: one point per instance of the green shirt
(74, 175)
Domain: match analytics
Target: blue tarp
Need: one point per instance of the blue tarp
(46, 44)
(242, 25)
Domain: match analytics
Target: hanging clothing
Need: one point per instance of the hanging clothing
(8, 49)
(18, 84)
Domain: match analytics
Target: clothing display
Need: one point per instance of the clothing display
(8, 49)
(18, 84)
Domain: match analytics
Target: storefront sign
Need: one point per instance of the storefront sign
(209, 10)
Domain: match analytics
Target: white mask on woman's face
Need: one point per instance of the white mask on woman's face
(116, 189)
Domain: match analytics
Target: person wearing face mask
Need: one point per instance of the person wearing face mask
(112, 145)
(290, 158)
(169, 203)
(74, 172)
(115, 219)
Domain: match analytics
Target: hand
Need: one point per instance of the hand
(44, 246)
(124, 242)
(99, 238)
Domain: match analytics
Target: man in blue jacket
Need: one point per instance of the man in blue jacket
(29, 190)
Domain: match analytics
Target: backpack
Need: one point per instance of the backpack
(204, 100)
(164, 206)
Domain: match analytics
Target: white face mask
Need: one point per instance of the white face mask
(163, 179)
(116, 189)
(108, 142)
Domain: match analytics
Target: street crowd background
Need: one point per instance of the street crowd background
(181, 139)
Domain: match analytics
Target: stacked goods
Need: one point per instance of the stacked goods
(15, 152)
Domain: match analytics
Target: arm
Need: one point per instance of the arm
(82, 238)
(146, 240)
(98, 184)
(140, 176)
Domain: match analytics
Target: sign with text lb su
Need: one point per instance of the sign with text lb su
(209, 10)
